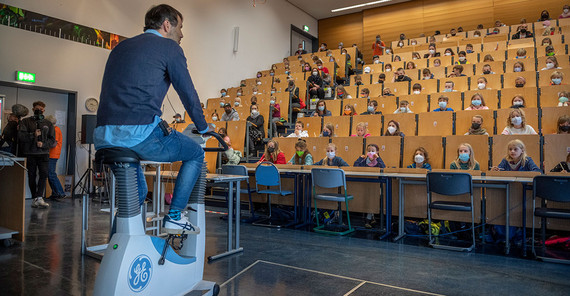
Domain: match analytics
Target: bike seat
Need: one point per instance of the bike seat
(116, 155)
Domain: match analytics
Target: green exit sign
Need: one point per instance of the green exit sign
(25, 77)
(306, 28)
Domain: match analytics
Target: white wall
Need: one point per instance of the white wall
(208, 43)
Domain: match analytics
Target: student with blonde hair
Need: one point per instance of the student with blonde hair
(273, 154)
(328, 131)
(465, 159)
(302, 155)
(516, 159)
(477, 103)
(331, 159)
(516, 124)
(361, 130)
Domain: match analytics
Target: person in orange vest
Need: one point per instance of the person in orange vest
(54, 153)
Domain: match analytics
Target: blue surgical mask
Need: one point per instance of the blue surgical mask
(326, 134)
(321, 108)
(447, 90)
(469, 51)
(518, 69)
(223, 94)
(476, 102)
(442, 104)
(556, 81)
(464, 157)
(563, 99)
(371, 108)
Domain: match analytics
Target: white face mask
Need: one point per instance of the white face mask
(417, 92)
(443, 104)
(549, 65)
(517, 120)
(272, 102)
(254, 113)
(432, 51)
(391, 129)
(214, 118)
(330, 155)
(418, 158)
(388, 69)
(436, 65)
(259, 83)
(254, 92)
(481, 85)
(320, 67)
(426, 77)
(315, 73)
(462, 59)
(403, 109)
(518, 103)
(448, 53)
(377, 62)
(566, 10)
(388, 51)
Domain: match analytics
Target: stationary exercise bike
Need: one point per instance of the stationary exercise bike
(138, 264)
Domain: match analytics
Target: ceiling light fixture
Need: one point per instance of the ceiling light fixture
(359, 5)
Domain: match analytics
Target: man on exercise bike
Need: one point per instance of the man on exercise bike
(137, 76)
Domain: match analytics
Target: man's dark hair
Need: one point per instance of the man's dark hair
(39, 103)
(156, 15)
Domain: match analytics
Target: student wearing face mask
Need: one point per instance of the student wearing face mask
(372, 108)
(469, 48)
(256, 129)
(230, 113)
(302, 155)
(431, 52)
(215, 116)
(448, 52)
(565, 12)
(465, 159)
(487, 69)
(296, 102)
(458, 71)
(381, 78)
(556, 78)
(321, 109)
(452, 33)
(376, 60)
(518, 67)
(393, 129)
(476, 126)
(331, 159)
(404, 107)
(546, 42)
(437, 63)
(544, 16)
(321, 67)
(563, 98)
(388, 68)
(323, 47)
(563, 124)
(370, 159)
(417, 89)
(328, 131)
(420, 159)
(426, 74)
(223, 93)
(358, 80)
(389, 50)
(255, 90)
(340, 93)
(462, 58)
(516, 124)
(477, 103)
(482, 83)
(442, 101)
(516, 159)
(239, 92)
(315, 84)
(237, 102)
(477, 33)
(400, 76)
(387, 92)
(273, 154)
(349, 111)
(517, 102)
(300, 50)
(522, 33)
(365, 93)
(521, 53)
(520, 82)
(448, 87)
(563, 166)
(551, 63)
(178, 118)
(378, 46)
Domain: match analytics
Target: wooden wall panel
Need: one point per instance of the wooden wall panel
(345, 28)
(443, 15)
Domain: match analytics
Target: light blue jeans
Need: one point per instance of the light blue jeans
(174, 147)
(54, 184)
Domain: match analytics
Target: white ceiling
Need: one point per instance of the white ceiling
(321, 9)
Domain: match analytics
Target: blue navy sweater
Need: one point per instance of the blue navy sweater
(529, 166)
(137, 76)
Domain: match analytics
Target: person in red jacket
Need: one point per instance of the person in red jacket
(273, 154)
(54, 153)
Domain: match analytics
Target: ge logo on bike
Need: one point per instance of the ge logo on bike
(140, 273)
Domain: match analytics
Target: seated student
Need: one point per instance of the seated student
(328, 131)
(388, 67)
(386, 92)
(177, 119)
(340, 93)
(253, 100)
(274, 90)
(556, 78)
(546, 42)
(477, 103)
(448, 87)
(551, 63)
(420, 159)
(476, 126)
(223, 93)
(215, 116)
(487, 69)
(448, 52)
(259, 74)
(437, 63)
(365, 93)
(393, 129)
(442, 102)
(516, 124)
(469, 48)
(462, 60)
(331, 159)
(520, 82)
(482, 83)
(371, 109)
(231, 156)
(306, 67)
(349, 110)
(521, 53)
(431, 52)
(522, 33)
(465, 159)
(517, 102)
(400, 76)
(477, 33)
(223, 102)
(376, 59)
(426, 74)
(563, 98)
(237, 102)
(273, 154)
(518, 67)
(549, 51)
(404, 107)
(417, 89)
(563, 124)
(410, 66)
(565, 12)
(381, 78)
(361, 130)
(488, 58)
(516, 159)
(371, 159)
(458, 71)
(563, 166)
(302, 155)
(327, 81)
(322, 68)
(397, 58)
(358, 80)
(299, 132)
(321, 109)
(230, 114)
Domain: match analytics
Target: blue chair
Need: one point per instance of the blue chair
(267, 174)
(450, 184)
(331, 178)
(555, 189)
(241, 171)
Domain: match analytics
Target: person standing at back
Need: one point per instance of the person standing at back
(137, 76)
(36, 136)
(54, 153)
(378, 46)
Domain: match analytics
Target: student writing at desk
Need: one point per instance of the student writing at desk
(563, 166)
(516, 159)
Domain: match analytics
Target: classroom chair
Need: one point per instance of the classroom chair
(549, 189)
(331, 178)
(240, 170)
(267, 174)
(450, 184)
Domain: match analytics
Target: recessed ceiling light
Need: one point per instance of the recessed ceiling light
(359, 5)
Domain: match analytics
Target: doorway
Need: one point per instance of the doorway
(298, 36)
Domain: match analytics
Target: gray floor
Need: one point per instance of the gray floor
(277, 262)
